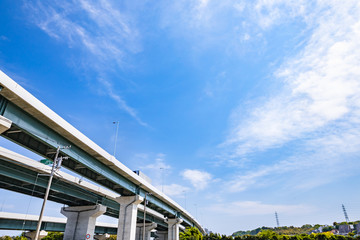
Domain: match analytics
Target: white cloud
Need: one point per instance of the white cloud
(103, 34)
(316, 112)
(158, 164)
(199, 179)
(321, 86)
(121, 102)
(155, 166)
(269, 13)
(245, 208)
(174, 190)
(319, 161)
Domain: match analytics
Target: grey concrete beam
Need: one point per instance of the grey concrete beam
(81, 221)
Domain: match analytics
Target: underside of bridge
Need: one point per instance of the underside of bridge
(19, 179)
(37, 137)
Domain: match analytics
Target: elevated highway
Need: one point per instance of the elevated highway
(25, 222)
(28, 122)
(24, 175)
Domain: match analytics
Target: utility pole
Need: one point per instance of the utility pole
(277, 219)
(345, 213)
(116, 134)
(56, 166)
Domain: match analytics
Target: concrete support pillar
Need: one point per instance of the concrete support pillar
(173, 228)
(102, 237)
(5, 124)
(148, 228)
(32, 234)
(81, 221)
(163, 235)
(127, 216)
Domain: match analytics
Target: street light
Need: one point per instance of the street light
(162, 179)
(185, 198)
(116, 134)
(196, 211)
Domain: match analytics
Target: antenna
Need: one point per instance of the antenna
(345, 213)
(277, 219)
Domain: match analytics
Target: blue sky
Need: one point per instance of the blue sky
(243, 108)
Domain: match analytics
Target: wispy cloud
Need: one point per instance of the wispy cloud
(316, 111)
(199, 179)
(174, 190)
(120, 101)
(244, 208)
(321, 86)
(159, 163)
(155, 166)
(97, 31)
(3, 38)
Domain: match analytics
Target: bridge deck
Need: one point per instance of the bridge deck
(24, 175)
(41, 130)
(24, 222)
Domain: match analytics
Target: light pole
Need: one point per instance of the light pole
(196, 211)
(116, 134)
(56, 165)
(162, 179)
(185, 198)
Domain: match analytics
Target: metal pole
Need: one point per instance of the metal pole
(162, 180)
(46, 194)
(185, 199)
(116, 134)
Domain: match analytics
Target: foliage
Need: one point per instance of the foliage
(112, 237)
(54, 236)
(268, 234)
(5, 238)
(191, 233)
(20, 238)
(13, 238)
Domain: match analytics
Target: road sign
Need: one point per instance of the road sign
(46, 161)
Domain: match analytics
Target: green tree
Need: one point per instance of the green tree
(267, 235)
(191, 233)
(54, 236)
(5, 238)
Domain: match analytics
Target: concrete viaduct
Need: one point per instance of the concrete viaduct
(28, 122)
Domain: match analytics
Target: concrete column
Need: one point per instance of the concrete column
(32, 234)
(173, 228)
(127, 216)
(148, 228)
(102, 237)
(163, 235)
(5, 124)
(81, 221)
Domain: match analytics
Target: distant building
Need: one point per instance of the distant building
(344, 229)
(334, 231)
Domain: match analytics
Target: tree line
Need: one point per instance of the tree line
(194, 234)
